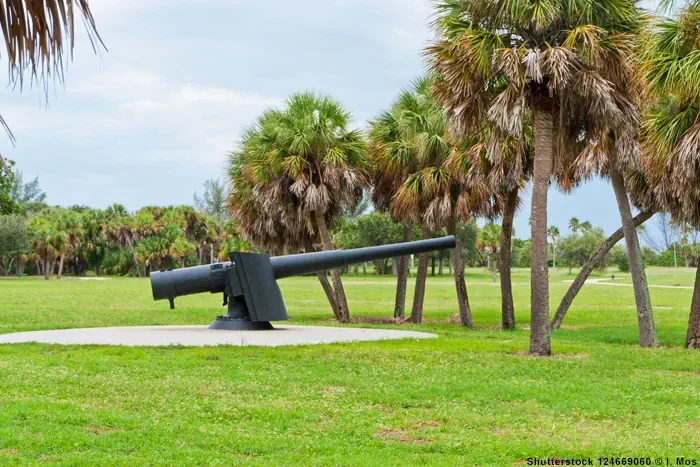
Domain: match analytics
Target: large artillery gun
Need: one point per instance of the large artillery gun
(249, 280)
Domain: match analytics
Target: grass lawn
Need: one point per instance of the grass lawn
(466, 398)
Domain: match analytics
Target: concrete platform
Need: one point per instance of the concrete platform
(200, 336)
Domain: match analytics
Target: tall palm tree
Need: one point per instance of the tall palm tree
(506, 163)
(70, 226)
(424, 176)
(305, 163)
(504, 60)
(553, 234)
(671, 132)
(574, 225)
(393, 156)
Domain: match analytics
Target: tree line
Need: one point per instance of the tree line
(39, 239)
(514, 94)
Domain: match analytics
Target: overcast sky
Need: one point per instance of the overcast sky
(149, 120)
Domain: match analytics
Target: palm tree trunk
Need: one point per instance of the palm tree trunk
(323, 279)
(465, 312)
(20, 266)
(60, 267)
(419, 293)
(692, 338)
(364, 268)
(588, 267)
(645, 316)
(136, 260)
(432, 266)
(540, 343)
(47, 269)
(211, 254)
(330, 294)
(507, 308)
(340, 298)
(493, 267)
(402, 281)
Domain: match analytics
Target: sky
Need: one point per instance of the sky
(151, 118)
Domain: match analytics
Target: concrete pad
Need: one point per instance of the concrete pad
(200, 336)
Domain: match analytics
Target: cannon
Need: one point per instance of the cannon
(249, 280)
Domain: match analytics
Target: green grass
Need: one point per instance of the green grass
(466, 398)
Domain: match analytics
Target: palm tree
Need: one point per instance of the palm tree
(393, 156)
(506, 164)
(574, 225)
(70, 226)
(506, 61)
(671, 132)
(553, 233)
(36, 36)
(586, 226)
(424, 176)
(489, 240)
(306, 163)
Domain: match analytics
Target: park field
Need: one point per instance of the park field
(470, 397)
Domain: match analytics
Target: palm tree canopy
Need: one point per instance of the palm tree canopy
(574, 224)
(423, 173)
(671, 130)
(294, 162)
(503, 59)
(37, 35)
(553, 232)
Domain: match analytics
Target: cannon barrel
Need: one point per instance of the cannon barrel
(295, 265)
(168, 284)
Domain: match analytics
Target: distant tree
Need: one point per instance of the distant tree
(29, 192)
(14, 240)
(586, 226)
(618, 257)
(521, 253)
(213, 200)
(553, 234)
(574, 225)
(574, 250)
(489, 241)
(116, 210)
(467, 233)
(7, 177)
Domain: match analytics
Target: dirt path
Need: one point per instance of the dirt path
(618, 284)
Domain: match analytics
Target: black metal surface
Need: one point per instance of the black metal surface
(295, 265)
(171, 283)
(223, 324)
